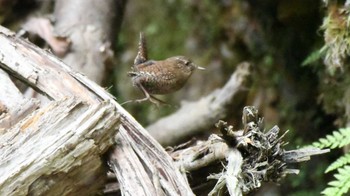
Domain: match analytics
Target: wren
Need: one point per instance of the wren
(159, 77)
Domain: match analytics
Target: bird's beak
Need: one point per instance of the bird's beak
(200, 68)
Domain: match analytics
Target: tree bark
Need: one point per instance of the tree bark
(90, 25)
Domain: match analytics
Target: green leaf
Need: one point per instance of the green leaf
(330, 191)
(337, 139)
(334, 183)
(341, 161)
(341, 184)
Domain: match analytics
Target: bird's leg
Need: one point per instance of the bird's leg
(149, 97)
(157, 101)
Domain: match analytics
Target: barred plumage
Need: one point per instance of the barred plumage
(159, 77)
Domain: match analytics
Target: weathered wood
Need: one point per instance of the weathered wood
(231, 176)
(57, 149)
(39, 69)
(300, 155)
(14, 107)
(209, 151)
(47, 74)
(127, 171)
(264, 157)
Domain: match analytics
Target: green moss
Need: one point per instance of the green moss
(336, 28)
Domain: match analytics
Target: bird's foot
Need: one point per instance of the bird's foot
(135, 101)
(150, 98)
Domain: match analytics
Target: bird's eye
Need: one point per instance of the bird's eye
(187, 62)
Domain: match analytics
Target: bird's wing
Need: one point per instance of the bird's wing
(132, 74)
(143, 65)
(140, 68)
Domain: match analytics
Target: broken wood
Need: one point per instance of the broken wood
(51, 77)
(240, 160)
(13, 105)
(60, 145)
(56, 150)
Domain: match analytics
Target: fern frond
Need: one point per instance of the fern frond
(340, 162)
(337, 139)
(342, 183)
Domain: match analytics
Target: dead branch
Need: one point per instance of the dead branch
(89, 25)
(194, 117)
(50, 76)
(241, 159)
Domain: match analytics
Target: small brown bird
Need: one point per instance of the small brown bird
(159, 77)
